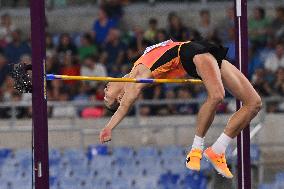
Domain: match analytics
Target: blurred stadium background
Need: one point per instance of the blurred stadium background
(103, 38)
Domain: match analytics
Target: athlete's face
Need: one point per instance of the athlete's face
(113, 95)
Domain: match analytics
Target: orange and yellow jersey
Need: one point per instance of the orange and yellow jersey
(163, 60)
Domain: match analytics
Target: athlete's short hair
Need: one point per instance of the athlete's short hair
(112, 108)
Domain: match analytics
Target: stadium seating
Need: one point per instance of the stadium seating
(266, 186)
(193, 179)
(101, 167)
(278, 182)
(254, 153)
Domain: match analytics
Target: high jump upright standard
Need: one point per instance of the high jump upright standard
(241, 30)
(39, 99)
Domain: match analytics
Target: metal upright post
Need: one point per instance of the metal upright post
(39, 101)
(244, 167)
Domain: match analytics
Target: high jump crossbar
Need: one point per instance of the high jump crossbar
(113, 79)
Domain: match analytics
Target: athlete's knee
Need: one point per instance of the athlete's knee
(255, 105)
(216, 97)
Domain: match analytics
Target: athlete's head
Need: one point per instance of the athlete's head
(113, 94)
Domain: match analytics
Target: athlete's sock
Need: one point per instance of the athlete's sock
(221, 144)
(198, 143)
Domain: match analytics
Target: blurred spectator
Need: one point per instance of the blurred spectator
(279, 82)
(113, 50)
(277, 24)
(136, 46)
(18, 112)
(88, 48)
(52, 64)
(82, 92)
(272, 107)
(81, 96)
(8, 89)
(151, 31)
(154, 92)
(91, 67)
(158, 93)
(138, 37)
(225, 25)
(70, 67)
(95, 111)
(4, 70)
(102, 26)
(177, 31)
(264, 52)
(133, 52)
(170, 95)
(54, 89)
(114, 9)
(205, 27)
(161, 35)
(100, 92)
(144, 111)
(16, 48)
(200, 92)
(66, 110)
(183, 93)
(6, 29)
(258, 26)
(254, 63)
(50, 47)
(125, 69)
(260, 83)
(66, 45)
(231, 45)
(276, 59)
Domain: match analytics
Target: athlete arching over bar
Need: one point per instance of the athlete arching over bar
(198, 59)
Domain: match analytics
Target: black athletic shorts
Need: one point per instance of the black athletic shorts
(189, 50)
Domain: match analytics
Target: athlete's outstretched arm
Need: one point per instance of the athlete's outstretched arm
(131, 94)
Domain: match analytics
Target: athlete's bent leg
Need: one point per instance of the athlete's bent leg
(241, 88)
(208, 70)
(235, 82)
(207, 67)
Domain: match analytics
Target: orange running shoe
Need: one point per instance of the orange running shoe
(219, 162)
(193, 159)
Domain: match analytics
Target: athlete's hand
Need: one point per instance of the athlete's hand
(105, 135)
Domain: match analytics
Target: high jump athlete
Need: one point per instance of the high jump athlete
(198, 59)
